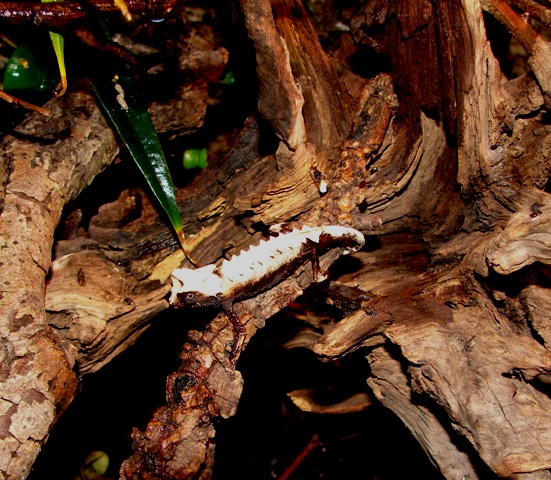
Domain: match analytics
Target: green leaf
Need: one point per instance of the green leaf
(229, 79)
(131, 119)
(95, 465)
(24, 72)
(194, 157)
(58, 43)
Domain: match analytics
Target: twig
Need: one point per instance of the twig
(538, 49)
(535, 10)
(7, 41)
(517, 24)
(61, 14)
(310, 446)
(22, 103)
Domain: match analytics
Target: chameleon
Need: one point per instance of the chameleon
(258, 269)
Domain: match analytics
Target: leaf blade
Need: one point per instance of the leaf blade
(59, 49)
(131, 119)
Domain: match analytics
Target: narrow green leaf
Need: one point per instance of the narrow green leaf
(131, 119)
(58, 43)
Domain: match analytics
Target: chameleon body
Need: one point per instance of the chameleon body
(258, 269)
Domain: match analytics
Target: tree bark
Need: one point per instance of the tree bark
(442, 162)
(41, 175)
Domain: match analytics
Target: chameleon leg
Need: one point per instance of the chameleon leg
(318, 274)
(239, 330)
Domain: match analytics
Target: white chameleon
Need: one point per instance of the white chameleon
(258, 269)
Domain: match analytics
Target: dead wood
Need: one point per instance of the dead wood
(442, 162)
(93, 309)
(41, 173)
(400, 173)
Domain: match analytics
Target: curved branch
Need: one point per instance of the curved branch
(43, 174)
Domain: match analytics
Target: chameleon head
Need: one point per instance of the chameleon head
(194, 299)
(200, 284)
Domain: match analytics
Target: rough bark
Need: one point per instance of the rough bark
(482, 386)
(41, 174)
(442, 162)
(92, 309)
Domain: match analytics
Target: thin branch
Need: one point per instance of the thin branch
(538, 49)
(517, 24)
(61, 14)
(309, 448)
(22, 103)
(535, 10)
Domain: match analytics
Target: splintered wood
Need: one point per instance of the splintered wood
(438, 157)
(453, 344)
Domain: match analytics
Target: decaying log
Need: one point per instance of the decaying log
(309, 117)
(491, 374)
(111, 312)
(390, 195)
(404, 166)
(443, 163)
(534, 44)
(524, 240)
